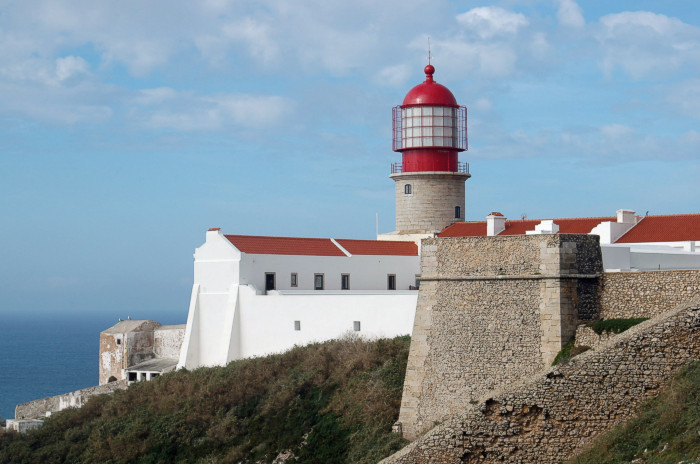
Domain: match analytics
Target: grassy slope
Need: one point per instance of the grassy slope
(667, 427)
(338, 398)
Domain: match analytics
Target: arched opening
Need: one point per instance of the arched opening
(458, 212)
(112, 379)
(407, 189)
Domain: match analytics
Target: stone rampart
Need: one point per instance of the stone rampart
(46, 406)
(550, 417)
(492, 310)
(646, 294)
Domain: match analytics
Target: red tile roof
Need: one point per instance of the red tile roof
(378, 247)
(465, 229)
(260, 245)
(519, 227)
(664, 228)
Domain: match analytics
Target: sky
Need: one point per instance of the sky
(129, 128)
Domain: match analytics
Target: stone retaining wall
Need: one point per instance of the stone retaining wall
(550, 417)
(46, 406)
(646, 294)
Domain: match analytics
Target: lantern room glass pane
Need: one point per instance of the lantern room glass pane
(426, 121)
(409, 122)
(437, 131)
(448, 132)
(427, 131)
(438, 111)
(427, 111)
(427, 141)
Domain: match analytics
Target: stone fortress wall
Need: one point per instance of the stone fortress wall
(553, 415)
(46, 406)
(492, 311)
(646, 294)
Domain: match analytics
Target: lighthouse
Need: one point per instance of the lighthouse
(429, 130)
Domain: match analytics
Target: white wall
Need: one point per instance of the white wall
(367, 272)
(267, 321)
(647, 257)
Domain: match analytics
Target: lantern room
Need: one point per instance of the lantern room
(429, 128)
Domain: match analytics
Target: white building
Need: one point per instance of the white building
(258, 295)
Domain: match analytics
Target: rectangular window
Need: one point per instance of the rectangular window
(417, 280)
(318, 281)
(293, 282)
(297, 325)
(132, 376)
(269, 281)
(391, 282)
(356, 326)
(345, 281)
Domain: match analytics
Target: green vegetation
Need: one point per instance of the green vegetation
(568, 352)
(667, 430)
(331, 402)
(615, 325)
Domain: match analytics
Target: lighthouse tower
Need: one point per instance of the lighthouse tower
(430, 129)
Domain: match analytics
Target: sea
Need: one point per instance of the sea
(47, 354)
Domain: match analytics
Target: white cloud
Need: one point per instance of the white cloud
(570, 14)
(646, 44)
(70, 66)
(394, 76)
(165, 108)
(490, 21)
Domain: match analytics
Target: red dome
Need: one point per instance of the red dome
(430, 92)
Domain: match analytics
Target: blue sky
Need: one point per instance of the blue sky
(129, 128)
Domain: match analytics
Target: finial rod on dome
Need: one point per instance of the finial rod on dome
(428, 49)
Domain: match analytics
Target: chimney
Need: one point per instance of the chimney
(495, 224)
(625, 216)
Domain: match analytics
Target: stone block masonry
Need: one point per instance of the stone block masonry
(492, 310)
(646, 294)
(550, 417)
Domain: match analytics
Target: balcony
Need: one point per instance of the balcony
(398, 168)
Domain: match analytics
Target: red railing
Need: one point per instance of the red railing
(398, 168)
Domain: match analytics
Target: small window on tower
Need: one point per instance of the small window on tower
(407, 189)
(293, 283)
(345, 281)
(458, 212)
(391, 282)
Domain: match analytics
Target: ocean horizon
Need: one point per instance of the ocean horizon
(49, 353)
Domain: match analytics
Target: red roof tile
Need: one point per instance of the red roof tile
(378, 247)
(465, 229)
(260, 245)
(664, 228)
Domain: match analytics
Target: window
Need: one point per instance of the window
(119, 341)
(132, 376)
(297, 325)
(407, 189)
(293, 282)
(318, 281)
(356, 326)
(269, 281)
(458, 212)
(154, 375)
(345, 281)
(391, 282)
